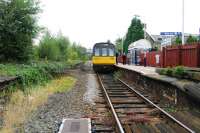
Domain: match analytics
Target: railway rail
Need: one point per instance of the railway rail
(136, 112)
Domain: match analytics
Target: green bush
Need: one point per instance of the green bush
(59, 48)
(34, 73)
(179, 71)
(169, 71)
(162, 72)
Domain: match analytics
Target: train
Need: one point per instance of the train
(103, 57)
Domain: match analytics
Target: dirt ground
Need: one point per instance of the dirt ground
(76, 103)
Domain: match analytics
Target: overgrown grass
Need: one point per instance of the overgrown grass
(34, 73)
(21, 105)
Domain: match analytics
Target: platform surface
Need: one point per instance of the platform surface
(75, 126)
(151, 73)
(140, 69)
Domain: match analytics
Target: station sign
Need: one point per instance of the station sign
(171, 33)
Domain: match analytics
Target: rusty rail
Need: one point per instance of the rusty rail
(119, 125)
(163, 111)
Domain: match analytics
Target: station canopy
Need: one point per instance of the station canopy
(140, 44)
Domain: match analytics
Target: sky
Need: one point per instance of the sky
(90, 21)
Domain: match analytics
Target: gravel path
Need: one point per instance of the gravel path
(75, 103)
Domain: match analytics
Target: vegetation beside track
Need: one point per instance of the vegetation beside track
(32, 74)
(21, 105)
(181, 72)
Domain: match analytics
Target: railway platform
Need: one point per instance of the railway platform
(140, 69)
(184, 85)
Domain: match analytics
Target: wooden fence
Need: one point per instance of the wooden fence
(171, 56)
(185, 55)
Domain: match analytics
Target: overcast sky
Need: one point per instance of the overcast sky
(91, 21)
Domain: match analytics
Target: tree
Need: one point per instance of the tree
(135, 32)
(48, 48)
(18, 27)
(191, 39)
(63, 44)
(119, 45)
(77, 52)
(178, 40)
(35, 55)
(59, 48)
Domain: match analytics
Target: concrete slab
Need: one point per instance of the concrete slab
(7, 78)
(82, 125)
(150, 72)
(140, 69)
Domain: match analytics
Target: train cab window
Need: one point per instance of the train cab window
(97, 52)
(111, 52)
(104, 51)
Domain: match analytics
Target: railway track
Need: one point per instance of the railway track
(130, 111)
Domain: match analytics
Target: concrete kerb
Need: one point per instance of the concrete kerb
(181, 84)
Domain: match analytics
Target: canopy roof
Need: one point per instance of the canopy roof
(140, 44)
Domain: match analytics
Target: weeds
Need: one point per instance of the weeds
(171, 109)
(178, 71)
(117, 75)
(32, 74)
(169, 71)
(21, 105)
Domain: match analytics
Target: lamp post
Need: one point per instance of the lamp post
(122, 45)
(183, 15)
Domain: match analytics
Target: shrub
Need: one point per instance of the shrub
(34, 73)
(169, 71)
(161, 71)
(179, 71)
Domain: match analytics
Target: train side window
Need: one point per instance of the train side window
(97, 52)
(111, 52)
(104, 51)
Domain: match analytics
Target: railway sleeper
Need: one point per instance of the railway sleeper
(132, 106)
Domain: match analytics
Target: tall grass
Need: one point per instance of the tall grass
(21, 105)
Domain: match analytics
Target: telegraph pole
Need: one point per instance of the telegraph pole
(122, 45)
(183, 17)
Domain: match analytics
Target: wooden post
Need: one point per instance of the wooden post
(180, 55)
(163, 57)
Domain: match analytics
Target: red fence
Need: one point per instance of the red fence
(186, 55)
(171, 56)
(190, 55)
